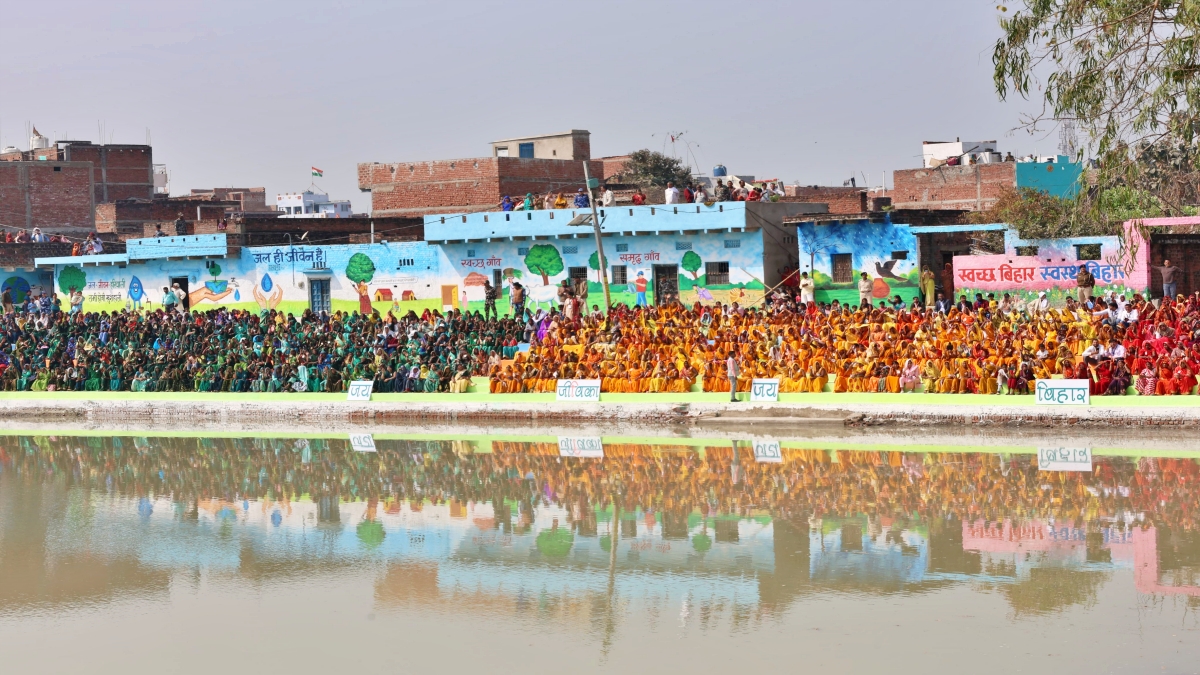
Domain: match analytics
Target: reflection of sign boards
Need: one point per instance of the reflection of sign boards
(580, 446)
(360, 390)
(362, 442)
(768, 451)
(577, 390)
(1063, 392)
(764, 389)
(1064, 459)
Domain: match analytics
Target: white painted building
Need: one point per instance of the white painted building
(309, 204)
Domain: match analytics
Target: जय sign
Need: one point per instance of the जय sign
(360, 390)
(577, 390)
(764, 389)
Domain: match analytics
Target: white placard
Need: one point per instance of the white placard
(362, 442)
(360, 390)
(577, 390)
(1064, 459)
(1063, 392)
(766, 390)
(768, 451)
(580, 446)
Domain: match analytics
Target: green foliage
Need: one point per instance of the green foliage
(214, 270)
(1038, 215)
(821, 280)
(654, 169)
(594, 261)
(544, 259)
(360, 269)
(691, 262)
(71, 277)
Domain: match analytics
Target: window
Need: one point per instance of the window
(620, 274)
(58, 168)
(716, 273)
(1031, 251)
(899, 255)
(570, 249)
(1087, 251)
(843, 268)
(577, 273)
(523, 250)
(470, 253)
(622, 248)
(525, 150)
(497, 278)
(733, 243)
(683, 246)
(502, 151)
(404, 262)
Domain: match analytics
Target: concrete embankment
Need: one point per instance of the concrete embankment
(730, 416)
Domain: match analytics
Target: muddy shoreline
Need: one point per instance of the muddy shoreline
(725, 416)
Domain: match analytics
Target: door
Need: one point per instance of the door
(1178, 248)
(843, 268)
(183, 283)
(666, 283)
(318, 295)
(449, 297)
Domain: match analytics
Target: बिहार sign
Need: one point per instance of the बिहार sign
(362, 442)
(1063, 392)
(766, 390)
(577, 390)
(360, 390)
(767, 451)
(1064, 459)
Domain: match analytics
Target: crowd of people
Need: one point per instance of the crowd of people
(985, 346)
(691, 193)
(90, 245)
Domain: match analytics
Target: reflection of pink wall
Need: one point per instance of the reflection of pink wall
(1145, 564)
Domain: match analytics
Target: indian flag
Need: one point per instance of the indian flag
(318, 173)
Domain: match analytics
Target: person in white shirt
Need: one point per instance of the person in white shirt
(807, 288)
(700, 195)
(1039, 304)
(608, 198)
(672, 194)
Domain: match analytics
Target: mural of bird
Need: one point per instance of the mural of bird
(885, 270)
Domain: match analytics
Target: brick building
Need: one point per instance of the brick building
(56, 196)
(975, 187)
(245, 200)
(841, 200)
(118, 171)
(129, 217)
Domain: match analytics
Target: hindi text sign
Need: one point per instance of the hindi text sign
(577, 390)
(1064, 459)
(1063, 392)
(767, 451)
(362, 442)
(360, 390)
(766, 390)
(580, 446)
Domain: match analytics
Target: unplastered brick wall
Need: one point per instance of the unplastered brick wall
(131, 216)
(972, 187)
(21, 256)
(839, 199)
(451, 186)
(119, 171)
(55, 196)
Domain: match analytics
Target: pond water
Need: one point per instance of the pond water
(523, 553)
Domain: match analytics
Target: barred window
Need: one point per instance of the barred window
(622, 248)
(683, 246)
(716, 273)
(620, 274)
(570, 249)
(470, 253)
(523, 250)
(733, 243)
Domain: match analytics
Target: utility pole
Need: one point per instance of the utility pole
(599, 245)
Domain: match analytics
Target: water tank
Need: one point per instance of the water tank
(38, 141)
(9, 149)
(719, 171)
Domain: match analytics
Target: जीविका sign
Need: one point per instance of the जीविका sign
(577, 390)
(580, 446)
(1063, 392)
(764, 390)
(360, 390)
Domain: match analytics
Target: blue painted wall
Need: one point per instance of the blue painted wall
(1061, 178)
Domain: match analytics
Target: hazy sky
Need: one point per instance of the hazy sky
(254, 93)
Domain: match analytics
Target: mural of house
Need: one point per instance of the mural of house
(726, 252)
(835, 252)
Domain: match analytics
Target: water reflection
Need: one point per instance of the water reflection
(696, 531)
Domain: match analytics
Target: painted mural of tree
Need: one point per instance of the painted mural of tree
(71, 277)
(544, 259)
(594, 263)
(360, 268)
(815, 239)
(692, 262)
